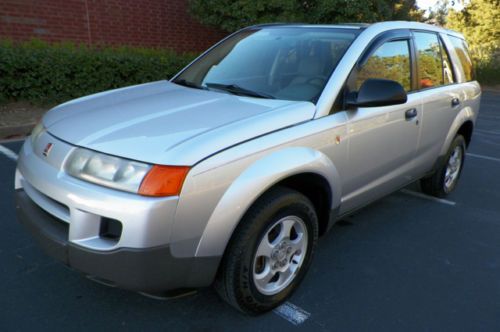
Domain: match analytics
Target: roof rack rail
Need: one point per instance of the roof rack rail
(277, 23)
(261, 25)
(363, 25)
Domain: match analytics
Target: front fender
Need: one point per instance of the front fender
(253, 182)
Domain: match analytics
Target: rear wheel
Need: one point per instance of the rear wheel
(269, 253)
(445, 179)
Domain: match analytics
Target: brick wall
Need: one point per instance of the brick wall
(150, 23)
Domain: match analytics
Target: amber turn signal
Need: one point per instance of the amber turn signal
(163, 181)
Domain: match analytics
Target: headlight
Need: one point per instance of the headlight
(36, 132)
(106, 170)
(126, 175)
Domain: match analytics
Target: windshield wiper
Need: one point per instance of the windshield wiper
(189, 84)
(238, 90)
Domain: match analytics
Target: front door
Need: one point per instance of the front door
(382, 140)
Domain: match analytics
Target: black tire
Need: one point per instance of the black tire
(435, 184)
(235, 283)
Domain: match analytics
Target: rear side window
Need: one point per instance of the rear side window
(429, 60)
(390, 61)
(462, 52)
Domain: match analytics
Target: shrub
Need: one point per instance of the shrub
(488, 72)
(45, 73)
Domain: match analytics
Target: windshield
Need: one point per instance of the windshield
(291, 63)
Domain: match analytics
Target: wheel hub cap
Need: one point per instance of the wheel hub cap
(281, 252)
(453, 169)
(280, 255)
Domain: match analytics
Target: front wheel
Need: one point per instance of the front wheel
(445, 179)
(269, 253)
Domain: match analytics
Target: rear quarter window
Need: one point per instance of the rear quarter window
(465, 62)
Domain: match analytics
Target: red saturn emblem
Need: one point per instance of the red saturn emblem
(47, 149)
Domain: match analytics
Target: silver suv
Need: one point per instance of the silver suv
(228, 173)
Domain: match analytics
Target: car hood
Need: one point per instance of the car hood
(164, 123)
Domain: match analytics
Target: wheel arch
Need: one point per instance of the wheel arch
(290, 167)
(317, 189)
(466, 130)
(462, 124)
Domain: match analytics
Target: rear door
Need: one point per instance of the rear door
(441, 94)
(382, 140)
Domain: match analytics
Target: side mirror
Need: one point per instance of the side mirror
(378, 92)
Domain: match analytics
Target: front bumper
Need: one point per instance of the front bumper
(117, 237)
(151, 270)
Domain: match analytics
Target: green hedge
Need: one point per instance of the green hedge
(488, 73)
(45, 73)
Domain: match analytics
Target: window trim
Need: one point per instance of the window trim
(444, 49)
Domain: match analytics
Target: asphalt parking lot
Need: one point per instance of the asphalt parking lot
(403, 263)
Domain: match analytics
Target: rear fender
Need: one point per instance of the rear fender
(466, 114)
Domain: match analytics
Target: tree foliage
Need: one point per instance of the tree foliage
(479, 22)
(231, 15)
(438, 13)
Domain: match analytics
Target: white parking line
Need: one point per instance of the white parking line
(8, 153)
(431, 198)
(483, 157)
(292, 313)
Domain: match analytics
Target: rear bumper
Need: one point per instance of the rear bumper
(152, 270)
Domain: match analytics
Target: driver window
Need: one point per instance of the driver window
(390, 61)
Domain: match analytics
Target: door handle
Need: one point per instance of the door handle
(411, 113)
(455, 102)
